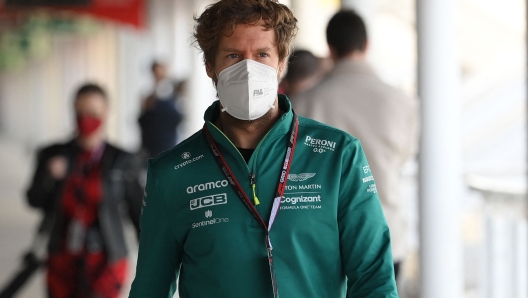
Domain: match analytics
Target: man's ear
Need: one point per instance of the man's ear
(282, 67)
(333, 53)
(210, 71)
(366, 46)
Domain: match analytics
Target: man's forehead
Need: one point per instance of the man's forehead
(248, 33)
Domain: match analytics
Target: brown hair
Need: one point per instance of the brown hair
(91, 88)
(221, 18)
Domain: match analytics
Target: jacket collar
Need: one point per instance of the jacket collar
(281, 127)
(347, 66)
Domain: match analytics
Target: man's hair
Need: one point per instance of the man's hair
(346, 33)
(91, 88)
(302, 64)
(155, 64)
(220, 19)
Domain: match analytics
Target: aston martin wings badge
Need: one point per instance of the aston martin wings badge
(300, 177)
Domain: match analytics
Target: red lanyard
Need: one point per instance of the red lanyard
(288, 157)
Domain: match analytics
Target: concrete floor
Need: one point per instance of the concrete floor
(17, 220)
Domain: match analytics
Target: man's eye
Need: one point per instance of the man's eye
(263, 55)
(233, 56)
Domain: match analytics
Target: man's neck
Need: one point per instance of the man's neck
(247, 133)
(90, 143)
(358, 56)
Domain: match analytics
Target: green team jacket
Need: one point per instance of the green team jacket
(330, 238)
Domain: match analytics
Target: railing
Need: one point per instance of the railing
(502, 253)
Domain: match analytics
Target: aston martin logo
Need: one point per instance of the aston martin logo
(300, 177)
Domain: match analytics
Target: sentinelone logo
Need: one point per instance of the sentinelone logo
(213, 221)
(187, 162)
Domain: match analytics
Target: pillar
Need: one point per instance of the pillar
(440, 163)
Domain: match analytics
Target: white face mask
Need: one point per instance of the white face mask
(247, 90)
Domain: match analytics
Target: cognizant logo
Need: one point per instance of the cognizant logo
(207, 186)
(187, 162)
(301, 199)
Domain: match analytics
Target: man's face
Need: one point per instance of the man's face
(160, 72)
(247, 42)
(92, 105)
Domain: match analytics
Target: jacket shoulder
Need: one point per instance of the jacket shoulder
(118, 150)
(171, 156)
(54, 149)
(314, 126)
(121, 158)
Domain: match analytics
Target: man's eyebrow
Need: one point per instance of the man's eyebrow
(266, 49)
(229, 50)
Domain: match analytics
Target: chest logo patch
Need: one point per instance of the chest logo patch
(320, 145)
(300, 177)
(208, 201)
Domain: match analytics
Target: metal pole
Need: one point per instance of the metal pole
(440, 165)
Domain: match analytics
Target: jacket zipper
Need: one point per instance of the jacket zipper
(239, 154)
(252, 176)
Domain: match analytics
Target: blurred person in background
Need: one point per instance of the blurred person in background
(216, 202)
(160, 116)
(304, 71)
(353, 98)
(81, 186)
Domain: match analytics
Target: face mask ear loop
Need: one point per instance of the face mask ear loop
(250, 88)
(279, 70)
(217, 78)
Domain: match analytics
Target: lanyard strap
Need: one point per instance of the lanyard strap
(282, 178)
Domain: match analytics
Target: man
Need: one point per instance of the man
(304, 71)
(81, 186)
(160, 116)
(259, 203)
(354, 99)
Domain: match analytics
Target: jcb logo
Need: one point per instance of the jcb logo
(208, 201)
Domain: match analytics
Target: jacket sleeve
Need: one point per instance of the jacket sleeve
(43, 187)
(364, 234)
(159, 254)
